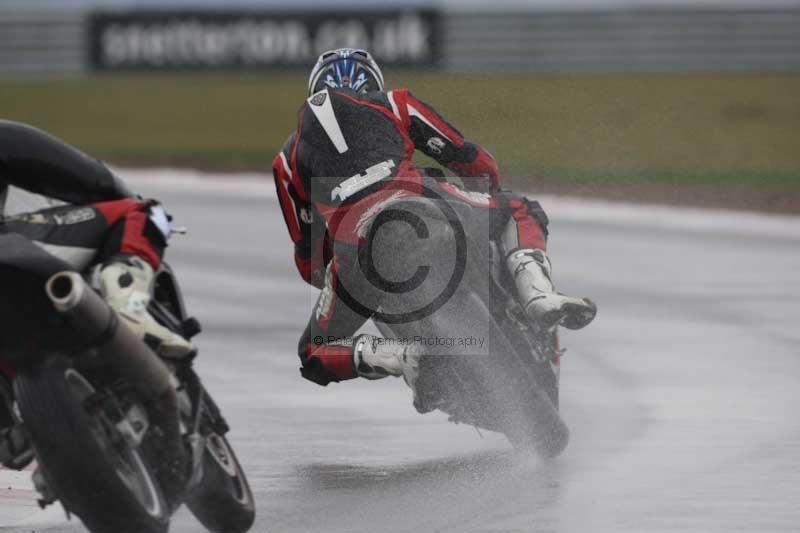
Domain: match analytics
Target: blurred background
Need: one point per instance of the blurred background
(694, 102)
(681, 398)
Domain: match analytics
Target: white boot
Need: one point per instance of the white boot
(530, 269)
(377, 357)
(127, 286)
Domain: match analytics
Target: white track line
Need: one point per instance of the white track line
(248, 184)
(694, 219)
(564, 208)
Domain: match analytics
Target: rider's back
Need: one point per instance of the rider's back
(341, 134)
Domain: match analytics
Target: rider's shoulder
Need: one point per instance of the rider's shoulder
(400, 91)
(344, 97)
(289, 144)
(402, 96)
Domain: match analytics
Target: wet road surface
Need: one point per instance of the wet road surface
(683, 397)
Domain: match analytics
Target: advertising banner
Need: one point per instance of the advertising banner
(248, 40)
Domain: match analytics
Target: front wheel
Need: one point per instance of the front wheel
(96, 473)
(222, 502)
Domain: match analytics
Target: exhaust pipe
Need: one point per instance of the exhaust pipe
(100, 326)
(129, 356)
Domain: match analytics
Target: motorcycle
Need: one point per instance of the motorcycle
(121, 437)
(511, 385)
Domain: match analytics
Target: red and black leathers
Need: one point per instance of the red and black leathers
(81, 235)
(102, 220)
(351, 152)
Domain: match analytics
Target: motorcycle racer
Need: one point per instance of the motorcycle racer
(350, 154)
(125, 236)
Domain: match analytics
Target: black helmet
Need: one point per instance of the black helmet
(346, 67)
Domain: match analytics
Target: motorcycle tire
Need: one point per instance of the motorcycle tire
(96, 474)
(223, 502)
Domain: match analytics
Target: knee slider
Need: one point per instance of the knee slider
(311, 367)
(313, 370)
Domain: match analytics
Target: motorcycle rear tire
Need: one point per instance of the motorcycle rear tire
(75, 460)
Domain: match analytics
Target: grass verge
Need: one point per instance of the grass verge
(578, 132)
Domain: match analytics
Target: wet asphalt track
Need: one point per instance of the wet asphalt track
(683, 398)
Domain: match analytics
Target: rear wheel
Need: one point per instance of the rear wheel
(533, 366)
(532, 420)
(222, 502)
(536, 383)
(524, 412)
(86, 462)
(535, 424)
(503, 392)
